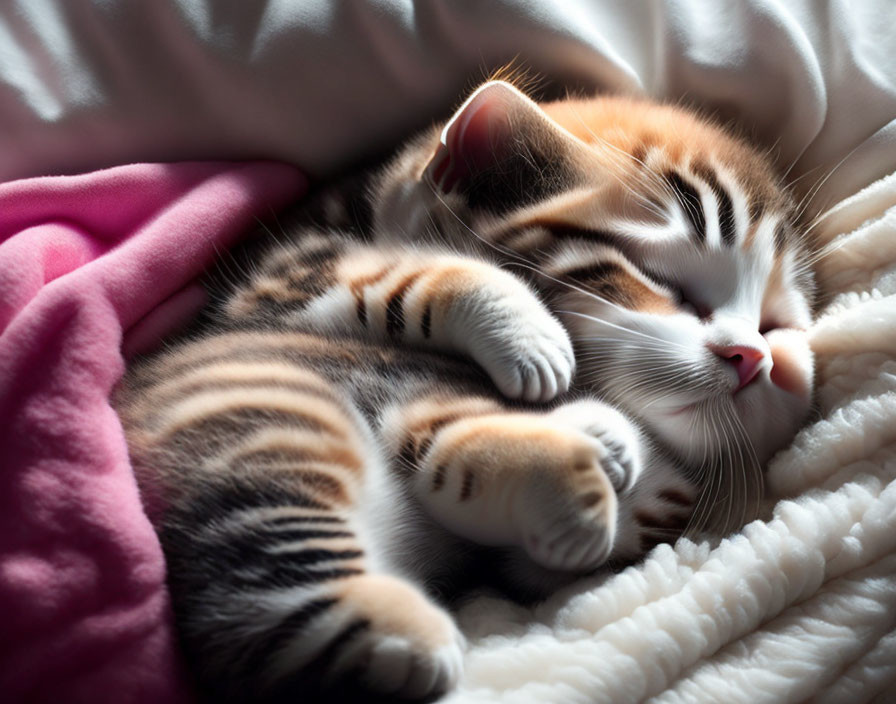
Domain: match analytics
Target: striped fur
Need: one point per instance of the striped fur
(358, 430)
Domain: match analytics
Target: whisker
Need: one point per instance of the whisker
(621, 327)
(806, 200)
(568, 284)
(503, 250)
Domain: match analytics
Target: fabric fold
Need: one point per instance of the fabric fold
(82, 597)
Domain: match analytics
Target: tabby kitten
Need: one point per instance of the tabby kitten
(318, 468)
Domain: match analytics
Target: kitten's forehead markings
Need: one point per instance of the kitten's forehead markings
(762, 244)
(761, 237)
(651, 235)
(727, 199)
(711, 203)
(708, 203)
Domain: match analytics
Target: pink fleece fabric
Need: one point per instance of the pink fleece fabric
(91, 265)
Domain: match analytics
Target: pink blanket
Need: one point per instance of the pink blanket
(91, 265)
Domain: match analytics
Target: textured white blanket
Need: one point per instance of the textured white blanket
(800, 605)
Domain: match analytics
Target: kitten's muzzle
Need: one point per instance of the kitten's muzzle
(746, 361)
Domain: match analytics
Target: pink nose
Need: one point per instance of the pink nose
(745, 360)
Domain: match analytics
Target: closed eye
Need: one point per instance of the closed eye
(692, 306)
(681, 298)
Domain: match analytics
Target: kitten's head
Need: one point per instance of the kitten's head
(670, 249)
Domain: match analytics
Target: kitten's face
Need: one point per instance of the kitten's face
(668, 248)
(705, 341)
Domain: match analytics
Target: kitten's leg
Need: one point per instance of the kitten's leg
(655, 500)
(546, 482)
(432, 299)
(654, 497)
(657, 509)
(279, 585)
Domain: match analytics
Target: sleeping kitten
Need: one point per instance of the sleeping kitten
(318, 468)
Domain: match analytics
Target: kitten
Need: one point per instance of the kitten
(320, 471)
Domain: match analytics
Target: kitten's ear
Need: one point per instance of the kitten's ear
(497, 141)
(476, 137)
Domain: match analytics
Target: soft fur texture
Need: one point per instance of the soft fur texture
(320, 480)
(802, 604)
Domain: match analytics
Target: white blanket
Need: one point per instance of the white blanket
(800, 605)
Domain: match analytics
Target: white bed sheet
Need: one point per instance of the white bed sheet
(85, 84)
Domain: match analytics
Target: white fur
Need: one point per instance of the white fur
(731, 281)
(525, 351)
(796, 606)
(621, 444)
(500, 323)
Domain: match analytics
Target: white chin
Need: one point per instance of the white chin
(682, 430)
(694, 434)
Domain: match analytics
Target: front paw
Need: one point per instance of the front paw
(570, 515)
(568, 521)
(619, 441)
(526, 352)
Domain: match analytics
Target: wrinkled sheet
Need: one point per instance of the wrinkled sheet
(800, 605)
(86, 84)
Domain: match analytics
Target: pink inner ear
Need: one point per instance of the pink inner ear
(474, 139)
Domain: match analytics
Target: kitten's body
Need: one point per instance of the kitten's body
(315, 464)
